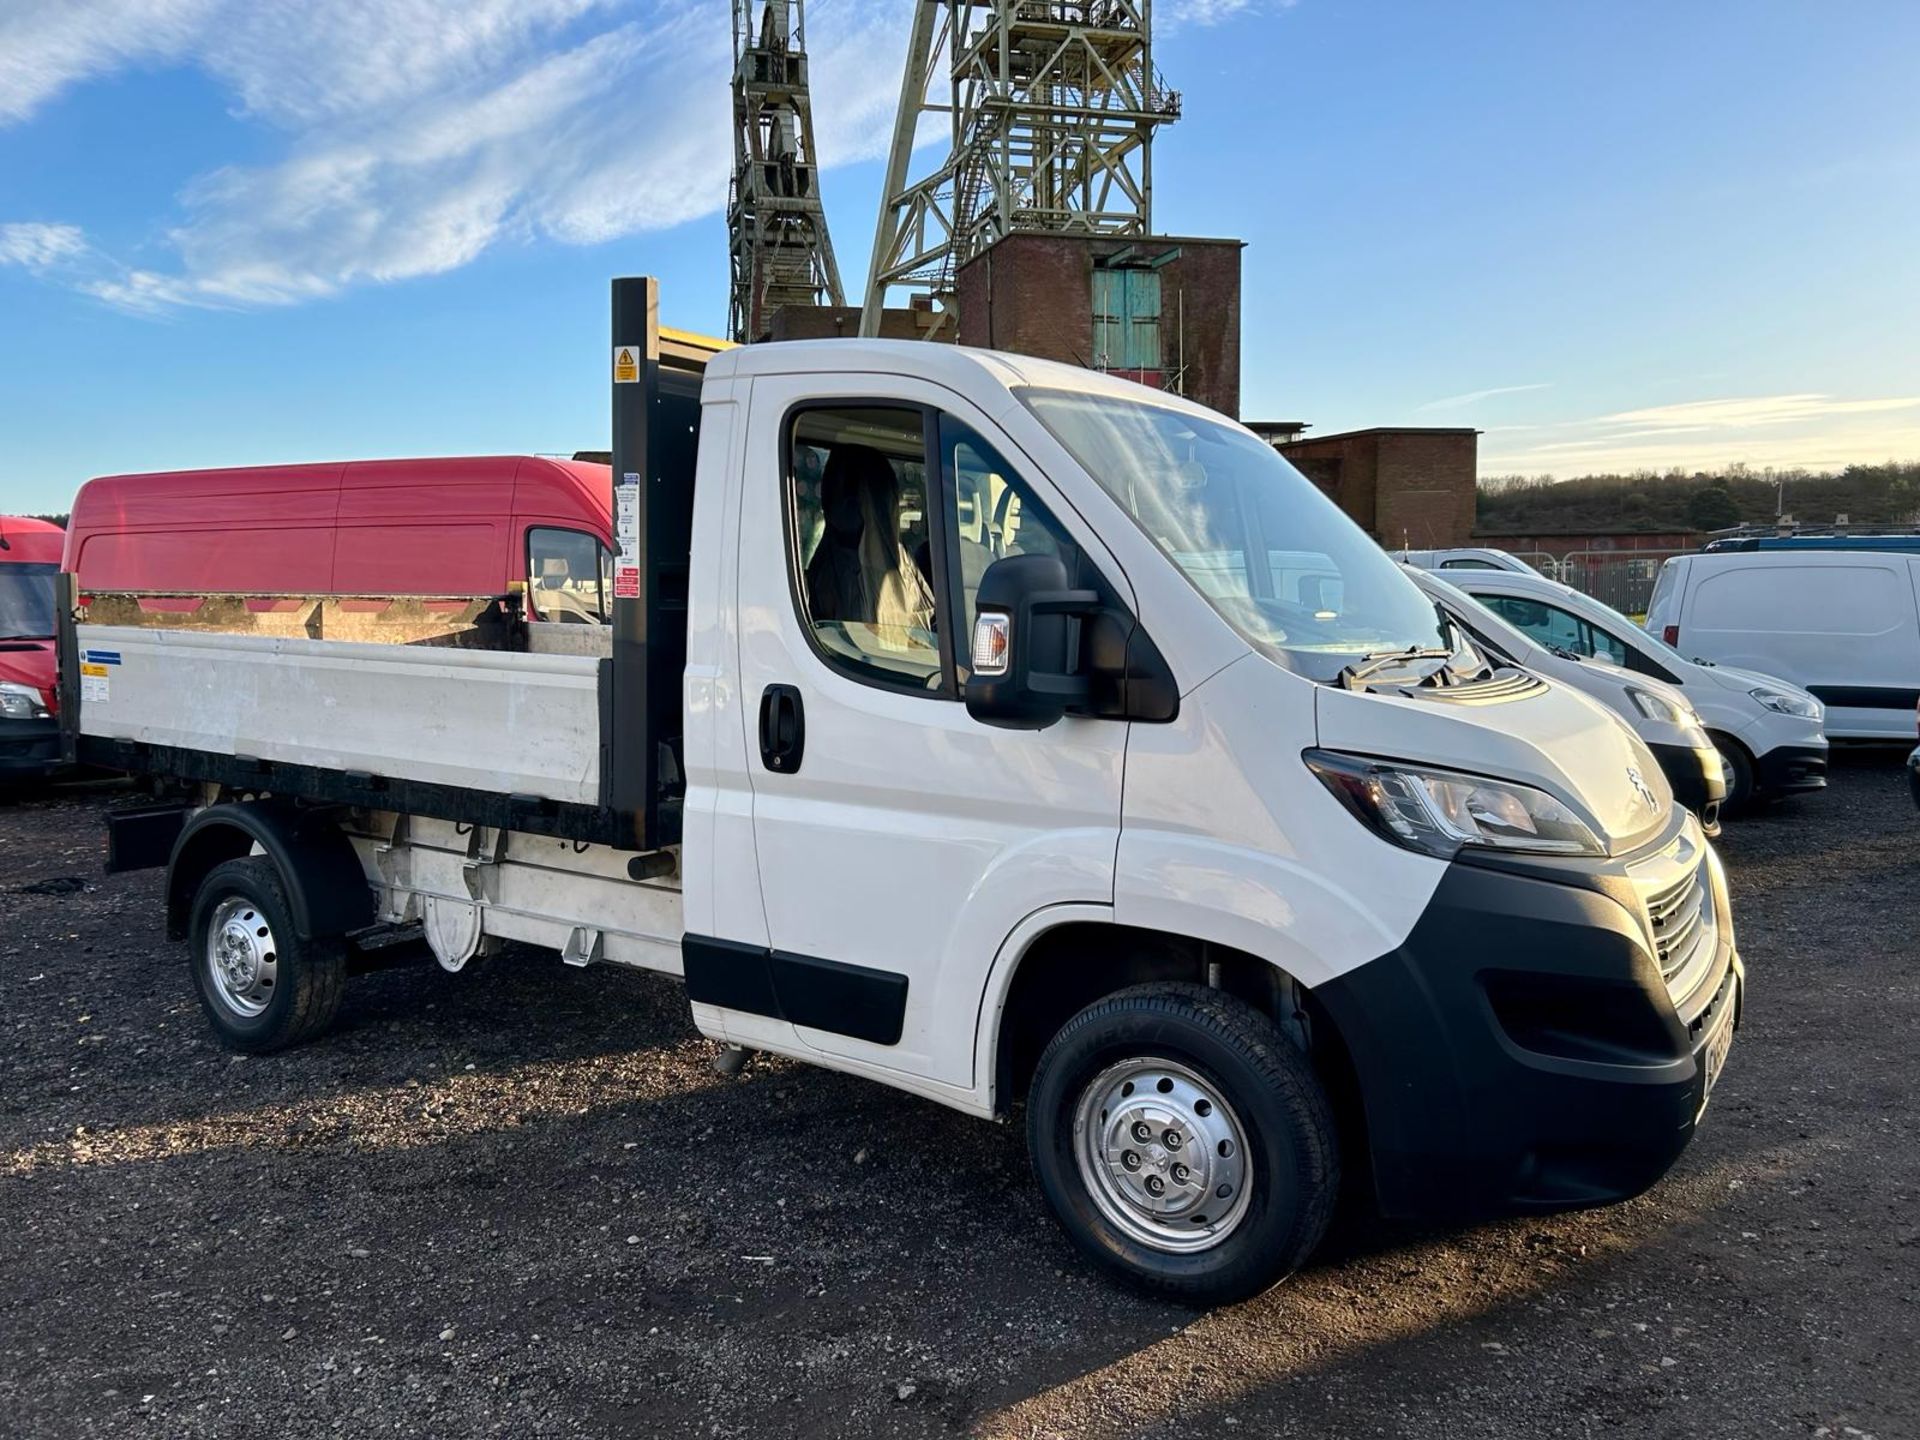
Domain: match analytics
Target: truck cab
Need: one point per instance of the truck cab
(29, 731)
(1021, 738)
(1290, 778)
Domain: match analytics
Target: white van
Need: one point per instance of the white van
(1657, 712)
(1471, 557)
(1843, 624)
(1769, 731)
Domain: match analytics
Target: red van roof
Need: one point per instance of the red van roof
(30, 542)
(439, 526)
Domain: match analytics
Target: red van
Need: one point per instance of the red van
(377, 528)
(29, 731)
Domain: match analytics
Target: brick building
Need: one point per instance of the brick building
(1406, 486)
(1624, 543)
(1162, 310)
(842, 322)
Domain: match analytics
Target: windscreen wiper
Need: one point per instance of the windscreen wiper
(1373, 664)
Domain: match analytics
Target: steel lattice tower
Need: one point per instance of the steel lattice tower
(777, 229)
(1053, 108)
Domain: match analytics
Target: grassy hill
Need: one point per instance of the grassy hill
(1868, 495)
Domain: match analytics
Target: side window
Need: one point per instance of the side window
(994, 515)
(568, 576)
(1599, 642)
(1467, 565)
(863, 545)
(1567, 632)
(1547, 625)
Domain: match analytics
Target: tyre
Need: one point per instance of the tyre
(262, 986)
(1740, 784)
(1184, 1143)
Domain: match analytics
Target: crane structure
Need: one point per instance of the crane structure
(778, 244)
(1052, 106)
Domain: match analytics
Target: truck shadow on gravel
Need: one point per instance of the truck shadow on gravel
(112, 1036)
(1698, 1300)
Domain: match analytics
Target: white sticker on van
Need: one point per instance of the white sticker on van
(626, 537)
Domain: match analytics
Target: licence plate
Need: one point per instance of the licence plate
(1716, 1054)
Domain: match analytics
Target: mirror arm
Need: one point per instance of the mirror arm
(1071, 690)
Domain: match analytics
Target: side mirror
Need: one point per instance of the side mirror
(1022, 674)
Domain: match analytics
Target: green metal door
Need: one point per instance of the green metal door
(1126, 320)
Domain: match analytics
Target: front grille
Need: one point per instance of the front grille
(1682, 917)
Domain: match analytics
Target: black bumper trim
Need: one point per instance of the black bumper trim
(1694, 775)
(29, 747)
(1473, 1106)
(1790, 768)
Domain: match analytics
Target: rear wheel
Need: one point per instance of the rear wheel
(1184, 1143)
(262, 986)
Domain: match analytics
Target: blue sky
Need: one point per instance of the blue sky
(1620, 235)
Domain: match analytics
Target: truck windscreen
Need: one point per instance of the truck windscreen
(1272, 554)
(26, 601)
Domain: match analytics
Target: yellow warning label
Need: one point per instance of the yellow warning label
(626, 369)
(99, 672)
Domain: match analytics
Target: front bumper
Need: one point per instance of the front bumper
(1697, 779)
(1521, 1050)
(29, 749)
(1791, 769)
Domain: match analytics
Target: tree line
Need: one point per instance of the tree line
(1701, 500)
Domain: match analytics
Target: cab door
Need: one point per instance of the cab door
(899, 841)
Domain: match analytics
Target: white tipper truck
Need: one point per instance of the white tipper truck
(1008, 734)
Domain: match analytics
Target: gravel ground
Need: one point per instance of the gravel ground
(521, 1203)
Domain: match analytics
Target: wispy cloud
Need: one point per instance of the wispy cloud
(36, 246)
(1474, 397)
(1212, 12)
(421, 133)
(1815, 430)
(1745, 413)
(48, 45)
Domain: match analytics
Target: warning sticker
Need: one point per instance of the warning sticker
(95, 687)
(626, 365)
(626, 537)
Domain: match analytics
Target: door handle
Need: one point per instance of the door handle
(783, 728)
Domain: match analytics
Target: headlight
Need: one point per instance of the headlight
(1805, 706)
(21, 702)
(1655, 707)
(1438, 811)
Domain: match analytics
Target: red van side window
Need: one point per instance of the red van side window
(569, 576)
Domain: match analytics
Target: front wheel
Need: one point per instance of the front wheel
(1184, 1143)
(1741, 788)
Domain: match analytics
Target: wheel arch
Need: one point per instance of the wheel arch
(1726, 739)
(1067, 960)
(326, 889)
(1727, 743)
